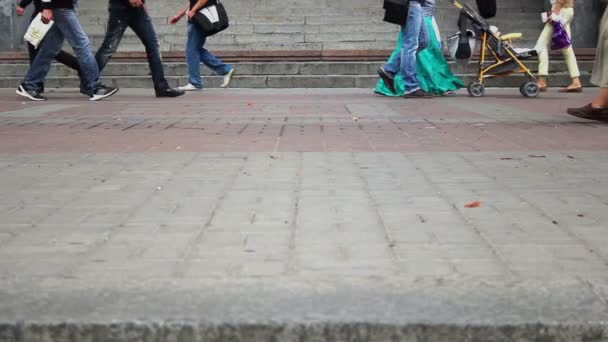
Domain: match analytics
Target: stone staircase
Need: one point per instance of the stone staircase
(296, 25)
(270, 75)
(284, 32)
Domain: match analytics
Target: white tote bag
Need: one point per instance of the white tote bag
(37, 30)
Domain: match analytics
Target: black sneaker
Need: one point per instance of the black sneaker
(30, 94)
(418, 94)
(169, 92)
(102, 92)
(388, 79)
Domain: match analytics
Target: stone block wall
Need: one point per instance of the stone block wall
(263, 25)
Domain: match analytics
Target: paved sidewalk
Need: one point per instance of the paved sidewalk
(301, 215)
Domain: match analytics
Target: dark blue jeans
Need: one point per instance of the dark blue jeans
(196, 53)
(66, 27)
(415, 39)
(139, 21)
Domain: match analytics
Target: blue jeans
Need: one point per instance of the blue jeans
(196, 53)
(415, 39)
(139, 21)
(66, 27)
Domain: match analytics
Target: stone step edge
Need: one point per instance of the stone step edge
(275, 55)
(284, 82)
(126, 77)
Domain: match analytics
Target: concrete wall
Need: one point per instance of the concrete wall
(259, 25)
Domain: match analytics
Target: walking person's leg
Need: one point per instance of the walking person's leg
(542, 47)
(570, 57)
(411, 43)
(598, 108)
(414, 37)
(216, 65)
(32, 52)
(141, 24)
(118, 21)
(70, 27)
(68, 60)
(30, 87)
(194, 44)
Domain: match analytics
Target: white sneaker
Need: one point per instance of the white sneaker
(227, 78)
(189, 87)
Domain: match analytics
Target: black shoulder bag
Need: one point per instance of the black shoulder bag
(396, 11)
(212, 19)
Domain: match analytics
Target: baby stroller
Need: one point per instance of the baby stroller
(497, 57)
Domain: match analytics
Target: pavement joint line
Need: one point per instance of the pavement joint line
(390, 241)
(291, 267)
(280, 135)
(467, 222)
(185, 259)
(361, 129)
(543, 213)
(71, 269)
(593, 288)
(63, 205)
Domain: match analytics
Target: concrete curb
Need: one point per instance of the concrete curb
(183, 331)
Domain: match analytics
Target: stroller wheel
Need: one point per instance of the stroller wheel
(529, 89)
(476, 89)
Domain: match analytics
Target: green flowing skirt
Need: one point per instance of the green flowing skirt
(433, 71)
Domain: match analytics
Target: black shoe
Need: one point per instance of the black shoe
(102, 91)
(30, 94)
(169, 92)
(388, 79)
(418, 94)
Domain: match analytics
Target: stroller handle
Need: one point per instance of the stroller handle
(457, 4)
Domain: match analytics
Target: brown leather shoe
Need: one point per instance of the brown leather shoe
(590, 113)
(571, 90)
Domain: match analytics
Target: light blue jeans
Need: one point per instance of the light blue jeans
(66, 27)
(197, 54)
(415, 39)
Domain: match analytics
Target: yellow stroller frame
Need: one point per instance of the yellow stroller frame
(476, 88)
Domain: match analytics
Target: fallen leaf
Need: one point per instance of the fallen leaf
(475, 204)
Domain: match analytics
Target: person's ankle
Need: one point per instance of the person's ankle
(576, 83)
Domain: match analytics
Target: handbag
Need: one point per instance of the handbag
(395, 11)
(37, 30)
(560, 39)
(487, 8)
(212, 19)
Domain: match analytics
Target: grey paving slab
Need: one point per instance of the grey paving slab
(217, 242)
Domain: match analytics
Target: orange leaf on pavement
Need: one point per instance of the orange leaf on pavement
(475, 204)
